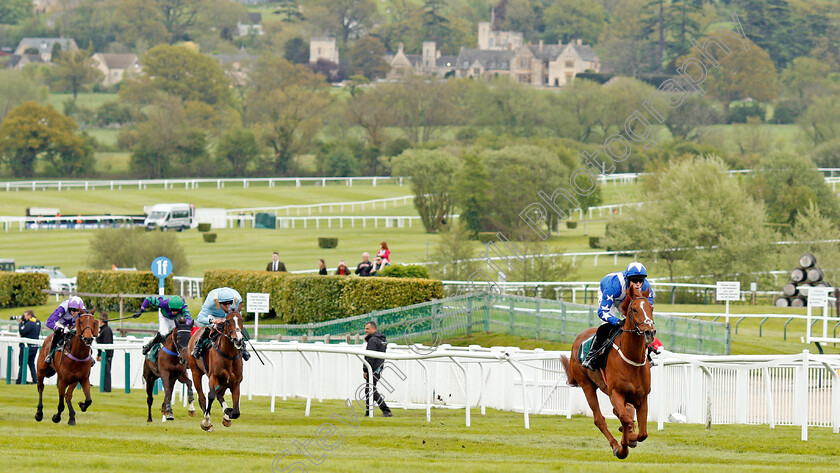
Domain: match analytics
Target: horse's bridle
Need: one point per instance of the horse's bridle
(224, 331)
(636, 326)
(82, 333)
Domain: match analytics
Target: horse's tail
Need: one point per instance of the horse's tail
(568, 369)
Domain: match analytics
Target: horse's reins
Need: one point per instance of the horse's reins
(70, 341)
(230, 338)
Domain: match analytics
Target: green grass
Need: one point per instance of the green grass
(90, 100)
(114, 436)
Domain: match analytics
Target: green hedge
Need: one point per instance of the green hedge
(312, 298)
(324, 242)
(403, 271)
(23, 289)
(120, 282)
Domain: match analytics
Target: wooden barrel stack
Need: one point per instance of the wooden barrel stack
(802, 278)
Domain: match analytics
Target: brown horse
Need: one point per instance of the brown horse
(626, 378)
(72, 364)
(222, 363)
(170, 366)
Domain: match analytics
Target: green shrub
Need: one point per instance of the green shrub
(570, 224)
(23, 289)
(403, 271)
(135, 248)
(738, 113)
(120, 282)
(327, 242)
(486, 237)
(209, 237)
(594, 242)
(307, 298)
(204, 227)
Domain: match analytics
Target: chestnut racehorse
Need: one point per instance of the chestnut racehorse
(170, 366)
(626, 377)
(223, 367)
(72, 364)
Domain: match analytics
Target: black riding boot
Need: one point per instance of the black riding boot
(245, 355)
(594, 351)
(197, 350)
(57, 336)
(158, 338)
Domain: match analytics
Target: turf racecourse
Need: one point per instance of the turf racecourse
(114, 436)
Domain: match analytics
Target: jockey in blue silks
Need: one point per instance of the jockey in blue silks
(612, 292)
(218, 303)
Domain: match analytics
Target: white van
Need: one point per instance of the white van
(170, 217)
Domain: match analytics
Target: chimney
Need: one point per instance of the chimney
(492, 17)
(437, 53)
(579, 42)
(541, 45)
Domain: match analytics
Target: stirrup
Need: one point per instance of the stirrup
(147, 348)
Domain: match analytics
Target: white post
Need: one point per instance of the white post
(727, 311)
(257, 327)
(803, 395)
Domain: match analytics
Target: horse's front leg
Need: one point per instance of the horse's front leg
(207, 423)
(86, 389)
(591, 393)
(220, 394)
(190, 395)
(619, 404)
(62, 389)
(69, 399)
(234, 393)
(165, 407)
(642, 416)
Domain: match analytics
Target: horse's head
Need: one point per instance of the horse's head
(181, 335)
(232, 328)
(640, 315)
(87, 328)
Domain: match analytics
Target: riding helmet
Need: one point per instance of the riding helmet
(176, 303)
(635, 269)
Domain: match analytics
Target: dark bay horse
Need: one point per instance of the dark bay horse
(72, 364)
(170, 366)
(626, 377)
(222, 363)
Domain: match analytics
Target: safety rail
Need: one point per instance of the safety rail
(188, 183)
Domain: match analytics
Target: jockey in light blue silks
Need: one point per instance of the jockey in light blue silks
(612, 292)
(218, 303)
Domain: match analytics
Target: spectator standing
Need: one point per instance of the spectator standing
(275, 264)
(29, 327)
(384, 253)
(322, 267)
(363, 269)
(376, 341)
(106, 337)
(342, 269)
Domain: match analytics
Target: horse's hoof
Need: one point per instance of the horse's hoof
(234, 416)
(39, 416)
(170, 417)
(228, 411)
(621, 452)
(208, 428)
(632, 444)
(226, 421)
(149, 419)
(192, 413)
(56, 418)
(83, 406)
(71, 421)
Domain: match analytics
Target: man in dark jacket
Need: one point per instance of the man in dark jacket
(106, 336)
(29, 327)
(363, 269)
(375, 342)
(275, 264)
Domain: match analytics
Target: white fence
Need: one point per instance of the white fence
(328, 206)
(801, 389)
(191, 183)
